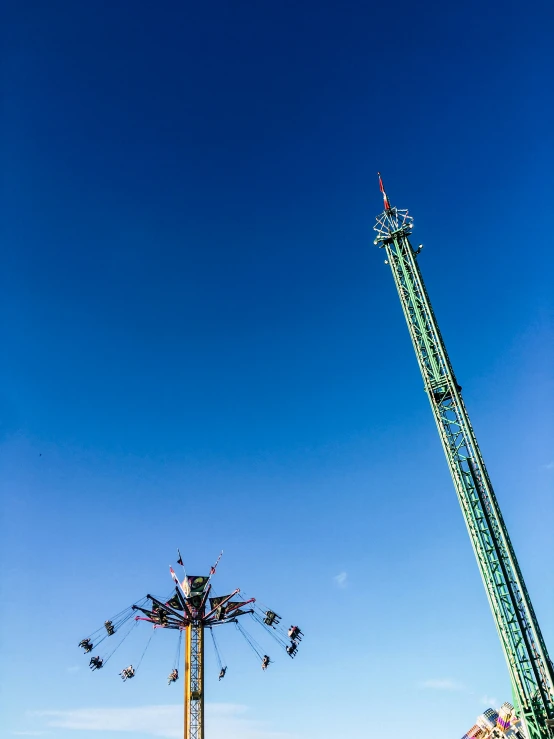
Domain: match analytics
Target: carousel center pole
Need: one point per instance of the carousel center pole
(194, 681)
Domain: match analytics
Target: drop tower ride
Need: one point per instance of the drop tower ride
(531, 670)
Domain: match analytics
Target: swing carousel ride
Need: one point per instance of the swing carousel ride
(191, 607)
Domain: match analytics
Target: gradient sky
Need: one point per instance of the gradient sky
(202, 348)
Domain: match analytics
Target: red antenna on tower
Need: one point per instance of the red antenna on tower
(382, 188)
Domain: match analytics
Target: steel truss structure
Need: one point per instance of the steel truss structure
(531, 671)
(194, 681)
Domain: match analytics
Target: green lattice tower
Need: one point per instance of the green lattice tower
(531, 671)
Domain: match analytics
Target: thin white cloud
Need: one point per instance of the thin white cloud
(549, 466)
(224, 720)
(441, 684)
(489, 702)
(341, 580)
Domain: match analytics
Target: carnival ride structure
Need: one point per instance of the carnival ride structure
(191, 608)
(531, 670)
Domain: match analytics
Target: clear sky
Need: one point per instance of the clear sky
(202, 348)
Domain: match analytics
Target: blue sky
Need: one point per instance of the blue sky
(203, 349)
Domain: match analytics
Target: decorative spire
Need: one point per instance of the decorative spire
(382, 188)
